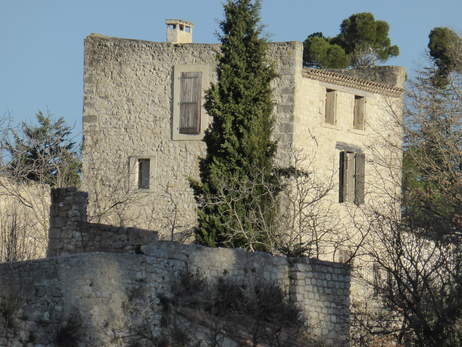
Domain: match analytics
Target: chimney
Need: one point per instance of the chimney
(179, 31)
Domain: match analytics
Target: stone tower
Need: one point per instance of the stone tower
(179, 31)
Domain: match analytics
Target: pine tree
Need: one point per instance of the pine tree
(237, 188)
(362, 41)
(445, 49)
(43, 153)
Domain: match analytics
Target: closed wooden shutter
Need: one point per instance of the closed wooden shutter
(331, 101)
(190, 102)
(143, 173)
(342, 177)
(350, 174)
(360, 165)
(358, 119)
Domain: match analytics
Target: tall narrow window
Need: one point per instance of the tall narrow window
(143, 173)
(190, 103)
(331, 101)
(358, 117)
(351, 177)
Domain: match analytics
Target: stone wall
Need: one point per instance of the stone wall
(129, 114)
(71, 233)
(101, 298)
(24, 214)
(112, 299)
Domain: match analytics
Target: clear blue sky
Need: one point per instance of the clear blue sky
(41, 41)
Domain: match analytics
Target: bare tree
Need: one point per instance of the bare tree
(306, 219)
(415, 250)
(31, 159)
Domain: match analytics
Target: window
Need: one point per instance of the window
(189, 117)
(351, 177)
(190, 102)
(141, 172)
(330, 106)
(144, 173)
(358, 113)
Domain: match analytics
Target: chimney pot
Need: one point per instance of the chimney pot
(179, 31)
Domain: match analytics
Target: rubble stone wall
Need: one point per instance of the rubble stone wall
(101, 298)
(70, 232)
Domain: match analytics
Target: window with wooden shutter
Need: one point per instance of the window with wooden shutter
(351, 177)
(190, 102)
(359, 112)
(144, 173)
(330, 107)
(342, 177)
(360, 164)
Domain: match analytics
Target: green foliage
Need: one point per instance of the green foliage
(362, 41)
(239, 148)
(319, 51)
(432, 181)
(43, 153)
(444, 47)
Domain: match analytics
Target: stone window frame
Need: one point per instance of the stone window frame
(352, 174)
(133, 172)
(205, 70)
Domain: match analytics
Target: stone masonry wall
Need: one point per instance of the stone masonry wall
(109, 299)
(24, 214)
(101, 298)
(71, 233)
(128, 114)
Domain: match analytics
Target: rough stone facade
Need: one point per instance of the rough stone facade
(71, 233)
(128, 114)
(102, 298)
(130, 108)
(112, 293)
(24, 214)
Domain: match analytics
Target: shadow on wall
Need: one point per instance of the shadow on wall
(154, 292)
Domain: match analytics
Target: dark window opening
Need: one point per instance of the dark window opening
(143, 173)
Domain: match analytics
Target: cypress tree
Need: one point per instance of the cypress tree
(238, 185)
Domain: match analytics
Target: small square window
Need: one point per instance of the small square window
(330, 107)
(359, 112)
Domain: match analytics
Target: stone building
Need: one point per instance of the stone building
(24, 213)
(144, 120)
